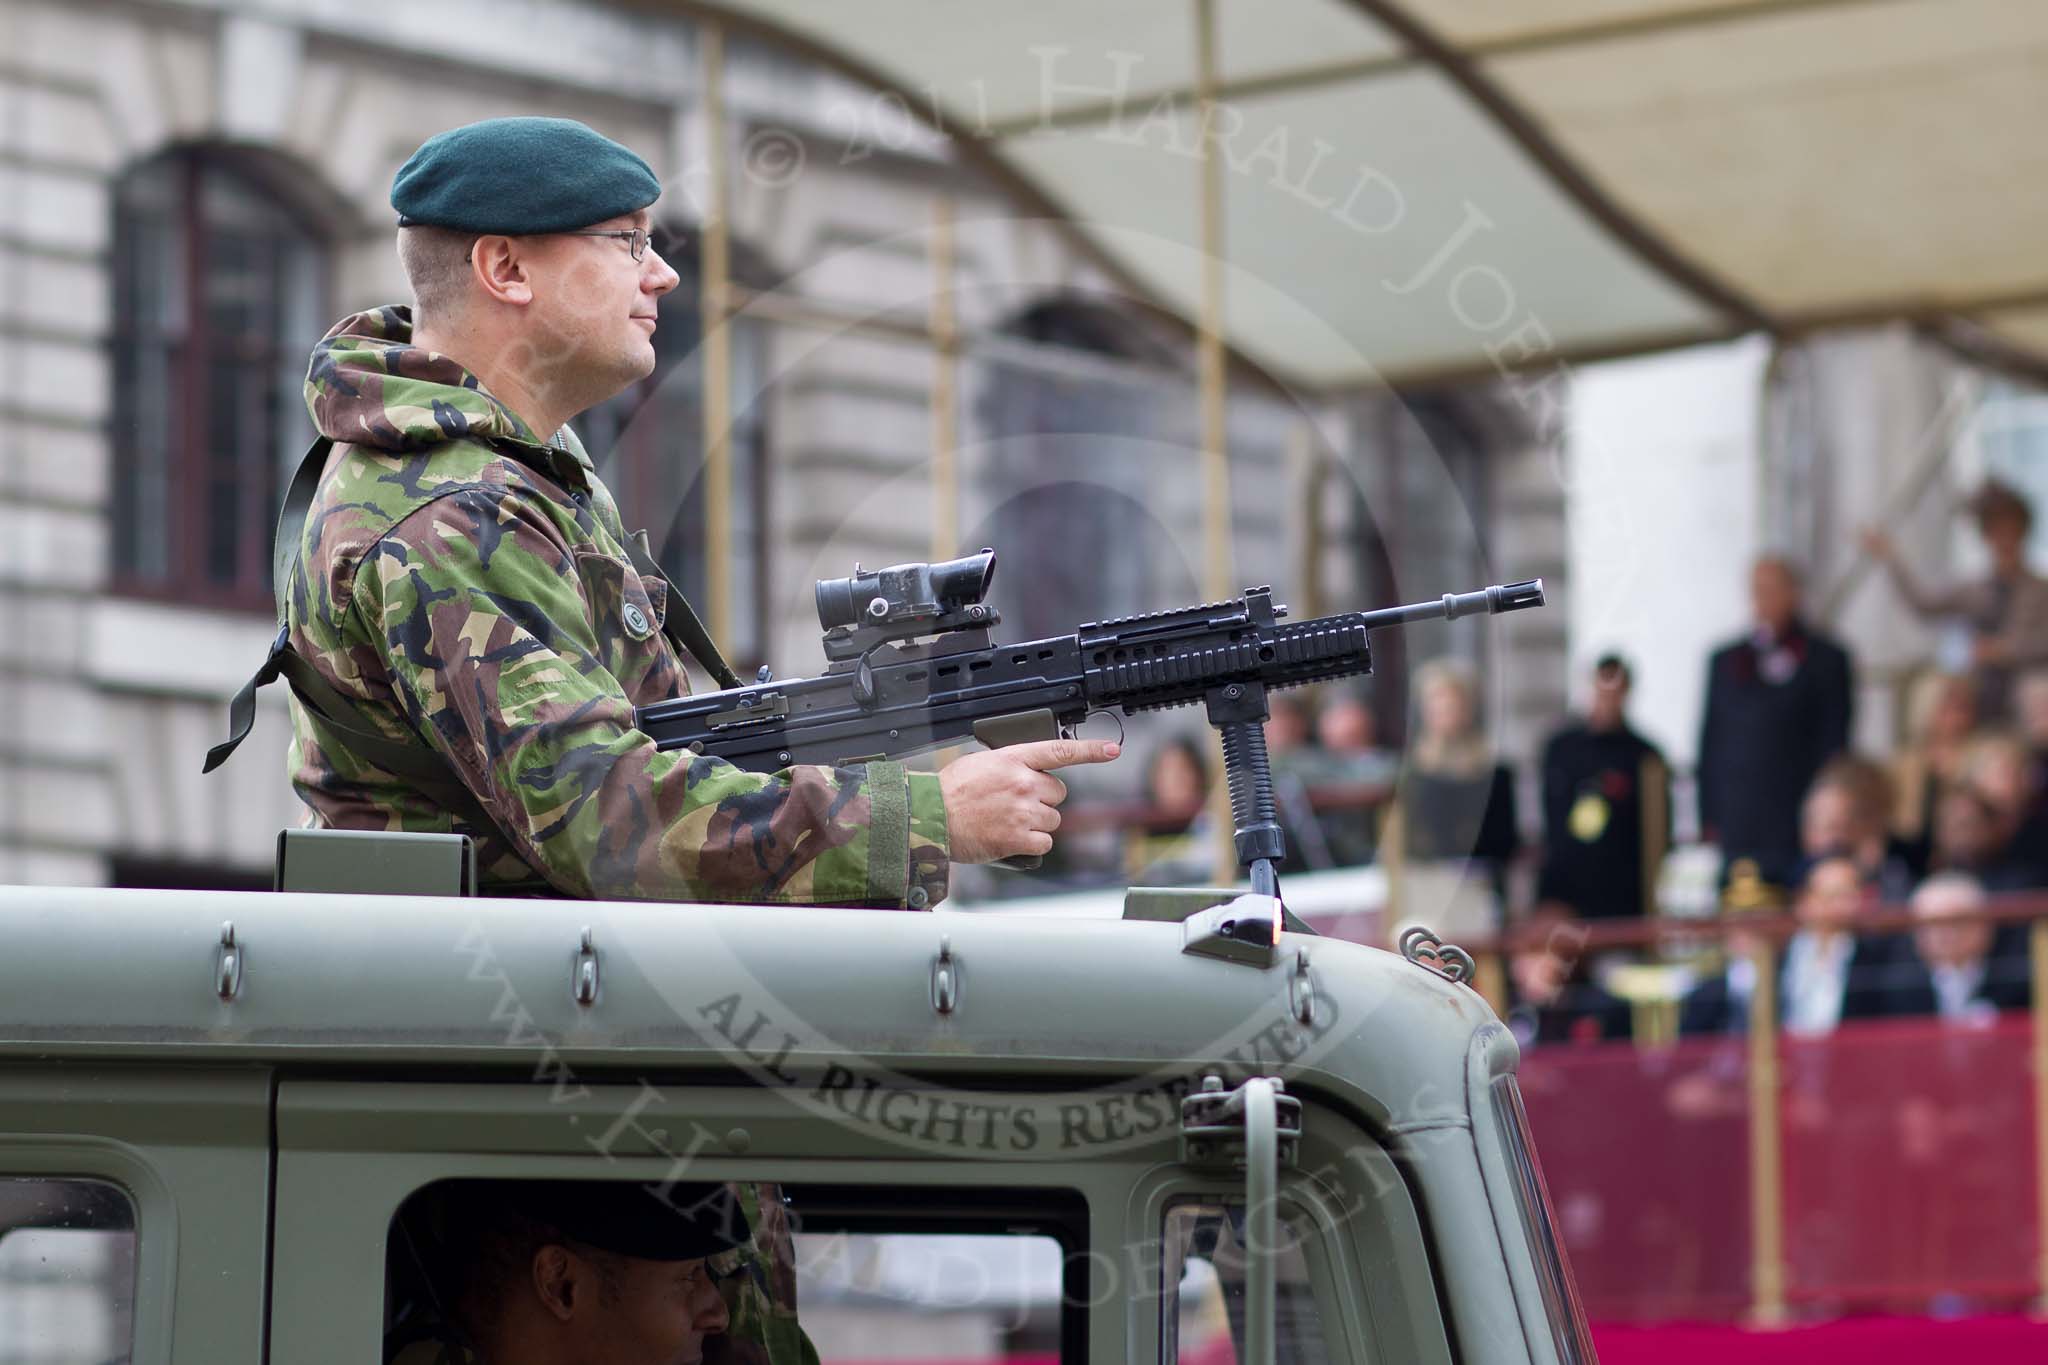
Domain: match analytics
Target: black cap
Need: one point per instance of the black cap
(651, 1222)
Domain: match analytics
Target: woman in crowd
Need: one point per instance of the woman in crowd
(2008, 773)
(2006, 613)
(1970, 836)
(1454, 811)
(1173, 844)
(1945, 720)
(1846, 812)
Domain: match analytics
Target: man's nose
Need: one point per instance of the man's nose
(711, 1311)
(662, 278)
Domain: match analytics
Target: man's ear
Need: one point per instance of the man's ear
(554, 1281)
(499, 267)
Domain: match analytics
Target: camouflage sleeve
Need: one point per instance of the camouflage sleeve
(481, 615)
(758, 1282)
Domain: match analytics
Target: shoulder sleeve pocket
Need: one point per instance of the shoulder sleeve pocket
(622, 604)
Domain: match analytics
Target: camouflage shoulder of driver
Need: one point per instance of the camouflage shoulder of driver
(758, 1281)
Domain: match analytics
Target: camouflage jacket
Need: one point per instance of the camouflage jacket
(470, 585)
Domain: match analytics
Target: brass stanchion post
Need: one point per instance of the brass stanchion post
(2037, 950)
(1766, 1170)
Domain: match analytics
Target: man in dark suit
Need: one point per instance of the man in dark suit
(1778, 707)
(1828, 972)
(1961, 968)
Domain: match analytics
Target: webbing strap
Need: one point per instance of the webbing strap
(284, 562)
(680, 623)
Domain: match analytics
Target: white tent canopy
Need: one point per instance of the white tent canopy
(1451, 185)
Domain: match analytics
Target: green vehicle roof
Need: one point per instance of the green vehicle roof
(349, 981)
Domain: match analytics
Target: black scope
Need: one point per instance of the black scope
(904, 592)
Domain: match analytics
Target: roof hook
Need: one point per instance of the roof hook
(227, 976)
(945, 977)
(583, 978)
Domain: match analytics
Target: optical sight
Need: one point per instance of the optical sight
(904, 592)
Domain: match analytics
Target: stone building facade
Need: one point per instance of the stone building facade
(191, 190)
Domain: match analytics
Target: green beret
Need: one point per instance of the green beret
(521, 175)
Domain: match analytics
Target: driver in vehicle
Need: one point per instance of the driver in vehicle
(550, 1272)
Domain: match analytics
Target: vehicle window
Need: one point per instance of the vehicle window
(973, 1277)
(1203, 1288)
(976, 1299)
(1532, 1202)
(67, 1272)
(969, 1276)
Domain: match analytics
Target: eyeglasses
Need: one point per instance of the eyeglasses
(635, 238)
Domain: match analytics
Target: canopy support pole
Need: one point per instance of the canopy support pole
(715, 260)
(945, 328)
(1217, 571)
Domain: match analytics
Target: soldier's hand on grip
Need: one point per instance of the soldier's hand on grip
(1004, 802)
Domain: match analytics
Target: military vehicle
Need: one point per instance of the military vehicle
(207, 1127)
(1199, 1132)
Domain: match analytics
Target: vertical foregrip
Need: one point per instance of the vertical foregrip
(1250, 776)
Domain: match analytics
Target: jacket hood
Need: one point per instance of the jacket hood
(368, 385)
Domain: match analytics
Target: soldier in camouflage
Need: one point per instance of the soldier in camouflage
(466, 615)
(464, 581)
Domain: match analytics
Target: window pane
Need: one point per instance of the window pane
(1203, 1293)
(67, 1273)
(1087, 466)
(909, 1297)
(207, 370)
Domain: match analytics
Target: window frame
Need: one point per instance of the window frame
(184, 520)
(172, 1144)
(1401, 1310)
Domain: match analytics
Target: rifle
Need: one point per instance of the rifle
(910, 666)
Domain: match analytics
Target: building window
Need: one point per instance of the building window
(1087, 452)
(220, 290)
(648, 445)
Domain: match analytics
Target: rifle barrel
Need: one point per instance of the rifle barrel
(1452, 605)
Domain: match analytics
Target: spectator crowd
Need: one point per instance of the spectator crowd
(1802, 821)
